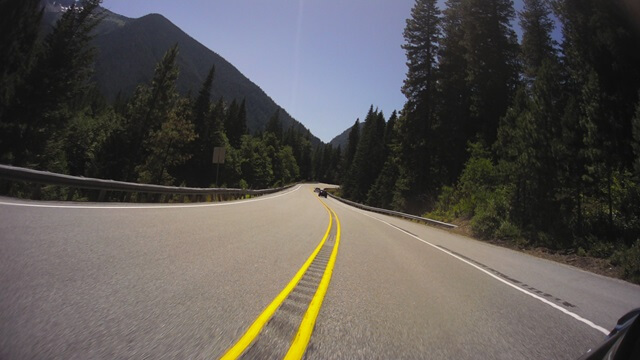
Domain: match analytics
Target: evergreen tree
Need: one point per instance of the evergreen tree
(305, 161)
(274, 125)
(381, 192)
(636, 140)
(352, 146)
(368, 159)
(217, 117)
(198, 170)
(529, 142)
(417, 128)
(48, 98)
(421, 35)
(537, 44)
(242, 118)
(236, 123)
(202, 106)
(18, 46)
(149, 108)
(317, 162)
(601, 55)
(454, 95)
(336, 166)
(491, 54)
(327, 161)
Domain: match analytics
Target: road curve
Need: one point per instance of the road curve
(175, 281)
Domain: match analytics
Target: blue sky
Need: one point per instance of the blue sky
(324, 61)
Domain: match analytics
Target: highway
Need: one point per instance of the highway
(134, 281)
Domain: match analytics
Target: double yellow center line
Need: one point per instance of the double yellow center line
(303, 335)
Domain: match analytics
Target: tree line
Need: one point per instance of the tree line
(531, 141)
(53, 117)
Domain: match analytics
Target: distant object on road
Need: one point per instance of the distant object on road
(316, 190)
(322, 193)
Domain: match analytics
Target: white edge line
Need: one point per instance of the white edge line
(149, 206)
(557, 307)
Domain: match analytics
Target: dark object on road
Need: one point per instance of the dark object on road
(323, 193)
(622, 343)
(316, 190)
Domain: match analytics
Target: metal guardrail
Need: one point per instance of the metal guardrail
(13, 173)
(394, 213)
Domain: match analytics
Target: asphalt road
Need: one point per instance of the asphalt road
(166, 282)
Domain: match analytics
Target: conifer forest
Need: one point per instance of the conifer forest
(528, 138)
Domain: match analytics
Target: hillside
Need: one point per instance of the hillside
(343, 139)
(128, 50)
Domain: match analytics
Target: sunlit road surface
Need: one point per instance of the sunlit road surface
(173, 281)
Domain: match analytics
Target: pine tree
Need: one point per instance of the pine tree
(368, 159)
(601, 55)
(148, 109)
(636, 140)
(381, 192)
(274, 125)
(202, 106)
(236, 123)
(491, 54)
(421, 35)
(537, 44)
(454, 94)
(48, 97)
(306, 159)
(18, 45)
(198, 170)
(317, 162)
(352, 145)
(417, 128)
(530, 132)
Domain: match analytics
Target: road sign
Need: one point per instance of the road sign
(218, 155)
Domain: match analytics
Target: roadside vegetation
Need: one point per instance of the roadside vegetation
(54, 118)
(530, 142)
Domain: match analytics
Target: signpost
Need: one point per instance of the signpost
(218, 158)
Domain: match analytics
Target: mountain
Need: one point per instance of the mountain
(343, 139)
(129, 49)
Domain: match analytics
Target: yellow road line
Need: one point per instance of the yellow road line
(300, 342)
(240, 346)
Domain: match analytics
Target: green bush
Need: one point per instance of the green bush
(485, 222)
(508, 231)
(491, 214)
(601, 249)
(629, 262)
